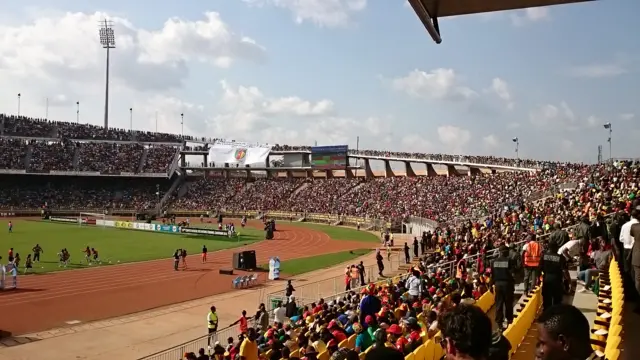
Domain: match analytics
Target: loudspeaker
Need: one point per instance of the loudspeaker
(226, 272)
(245, 260)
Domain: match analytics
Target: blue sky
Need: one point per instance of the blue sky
(335, 69)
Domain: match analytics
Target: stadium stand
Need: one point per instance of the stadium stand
(473, 215)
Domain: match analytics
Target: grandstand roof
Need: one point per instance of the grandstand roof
(442, 8)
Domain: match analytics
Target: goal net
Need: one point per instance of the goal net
(91, 219)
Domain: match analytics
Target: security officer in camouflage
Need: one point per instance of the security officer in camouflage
(502, 278)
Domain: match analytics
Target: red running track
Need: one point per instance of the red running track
(46, 301)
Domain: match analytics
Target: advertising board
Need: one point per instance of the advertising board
(107, 223)
(212, 232)
(66, 220)
(144, 226)
(124, 224)
(166, 228)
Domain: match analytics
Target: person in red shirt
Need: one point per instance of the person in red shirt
(395, 337)
(243, 323)
(337, 333)
(413, 328)
(319, 307)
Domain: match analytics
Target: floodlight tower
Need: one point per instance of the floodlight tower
(108, 41)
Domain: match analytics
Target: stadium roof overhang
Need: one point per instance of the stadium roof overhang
(429, 11)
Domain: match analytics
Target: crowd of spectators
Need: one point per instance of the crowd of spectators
(320, 196)
(39, 155)
(47, 156)
(493, 160)
(397, 318)
(12, 153)
(440, 198)
(110, 157)
(159, 158)
(208, 193)
(23, 126)
(65, 192)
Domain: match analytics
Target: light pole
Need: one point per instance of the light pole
(182, 123)
(156, 121)
(608, 127)
(19, 96)
(78, 112)
(46, 109)
(131, 120)
(517, 141)
(108, 41)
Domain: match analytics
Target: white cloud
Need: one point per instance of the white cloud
(598, 71)
(490, 141)
(593, 121)
(63, 47)
(500, 88)
(554, 117)
(627, 116)
(325, 13)
(245, 109)
(454, 138)
(530, 15)
(417, 143)
(441, 84)
(513, 125)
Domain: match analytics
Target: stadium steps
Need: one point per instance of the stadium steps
(143, 159)
(355, 188)
(176, 188)
(27, 156)
(301, 219)
(298, 189)
(76, 157)
(336, 223)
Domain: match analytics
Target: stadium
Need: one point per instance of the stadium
(126, 244)
(68, 186)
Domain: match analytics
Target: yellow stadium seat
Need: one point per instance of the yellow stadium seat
(344, 344)
(351, 341)
(362, 355)
(429, 350)
(409, 357)
(295, 353)
(420, 353)
(324, 355)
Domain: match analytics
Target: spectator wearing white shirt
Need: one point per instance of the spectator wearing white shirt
(414, 286)
(280, 313)
(627, 241)
(571, 249)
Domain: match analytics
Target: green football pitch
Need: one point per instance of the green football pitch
(115, 245)
(125, 246)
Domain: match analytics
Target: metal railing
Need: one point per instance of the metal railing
(177, 352)
(306, 294)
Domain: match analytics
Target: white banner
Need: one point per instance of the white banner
(238, 153)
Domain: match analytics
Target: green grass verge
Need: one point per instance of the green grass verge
(113, 244)
(312, 263)
(334, 232)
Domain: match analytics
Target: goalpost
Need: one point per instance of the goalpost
(86, 218)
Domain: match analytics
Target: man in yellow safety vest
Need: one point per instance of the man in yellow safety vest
(212, 324)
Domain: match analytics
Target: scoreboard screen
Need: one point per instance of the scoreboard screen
(329, 157)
